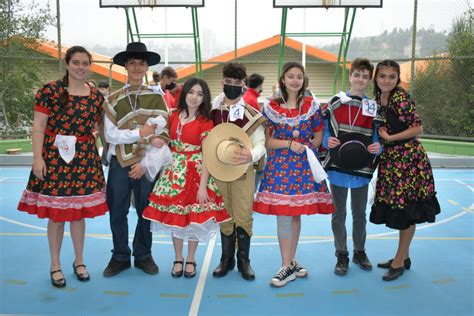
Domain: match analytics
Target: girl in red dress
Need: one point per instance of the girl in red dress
(66, 183)
(185, 200)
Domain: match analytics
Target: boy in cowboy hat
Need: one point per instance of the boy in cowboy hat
(350, 134)
(229, 107)
(127, 135)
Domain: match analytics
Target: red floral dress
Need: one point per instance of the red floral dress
(75, 190)
(288, 187)
(173, 203)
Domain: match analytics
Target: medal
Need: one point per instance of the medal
(134, 124)
(296, 133)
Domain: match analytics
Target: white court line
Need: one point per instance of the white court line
(463, 212)
(465, 184)
(193, 311)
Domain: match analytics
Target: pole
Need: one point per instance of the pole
(413, 50)
(235, 30)
(58, 27)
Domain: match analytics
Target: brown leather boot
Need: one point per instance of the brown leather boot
(227, 258)
(243, 261)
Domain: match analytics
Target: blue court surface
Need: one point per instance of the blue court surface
(440, 281)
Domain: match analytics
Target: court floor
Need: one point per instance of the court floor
(440, 281)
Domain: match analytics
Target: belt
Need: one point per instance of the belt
(79, 138)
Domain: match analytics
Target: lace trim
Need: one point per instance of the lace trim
(276, 117)
(63, 202)
(294, 200)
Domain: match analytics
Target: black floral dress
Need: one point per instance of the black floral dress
(75, 190)
(405, 191)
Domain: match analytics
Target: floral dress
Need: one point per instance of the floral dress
(288, 187)
(75, 190)
(405, 190)
(173, 203)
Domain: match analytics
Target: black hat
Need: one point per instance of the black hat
(103, 84)
(352, 153)
(136, 49)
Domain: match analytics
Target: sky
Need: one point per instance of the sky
(83, 22)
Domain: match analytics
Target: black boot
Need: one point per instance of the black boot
(243, 261)
(227, 259)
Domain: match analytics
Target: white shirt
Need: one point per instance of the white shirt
(115, 136)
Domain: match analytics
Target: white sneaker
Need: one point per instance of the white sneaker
(300, 271)
(283, 276)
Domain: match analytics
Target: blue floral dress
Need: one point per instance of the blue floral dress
(288, 187)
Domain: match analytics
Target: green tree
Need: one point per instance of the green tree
(444, 90)
(22, 26)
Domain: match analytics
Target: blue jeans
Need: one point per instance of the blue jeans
(119, 190)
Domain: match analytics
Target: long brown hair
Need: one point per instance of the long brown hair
(386, 63)
(205, 107)
(286, 67)
(64, 95)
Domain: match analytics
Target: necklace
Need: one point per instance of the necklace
(295, 132)
(133, 105)
(352, 122)
(179, 128)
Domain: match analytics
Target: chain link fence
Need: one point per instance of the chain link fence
(437, 60)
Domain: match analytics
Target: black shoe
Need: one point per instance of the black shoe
(342, 264)
(360, 258)
(147, 265)
(300, 271)
(387, 264)
(83, 277)
(393, 273)
(190, 274)
(283, 276)
(59, 282)
(174, 273)
(115, 267)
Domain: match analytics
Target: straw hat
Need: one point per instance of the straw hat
(352, 154)
(218, 151)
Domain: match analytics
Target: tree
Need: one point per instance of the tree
(444, 90)
(22, 26)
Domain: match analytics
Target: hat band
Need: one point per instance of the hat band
(358, 142)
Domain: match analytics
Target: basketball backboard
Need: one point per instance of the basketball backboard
(151, 3)
(327, 3)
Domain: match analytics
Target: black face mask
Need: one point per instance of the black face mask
(232, 92)
(170, 86)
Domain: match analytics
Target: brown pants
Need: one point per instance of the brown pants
(238, 201)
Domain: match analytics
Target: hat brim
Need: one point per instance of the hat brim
(152, 58)
(352, 153)
(219, 170)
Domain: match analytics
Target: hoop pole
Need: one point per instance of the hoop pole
(341, 46)
(136, 24)
(129, 27)
(348, 40)
(281, 57)
(413, 51)
(197, 42)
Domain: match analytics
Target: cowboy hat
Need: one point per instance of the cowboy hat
(136, 49)
(218, 151)
(352, 153)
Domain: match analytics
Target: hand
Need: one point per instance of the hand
(243, 156)
(202, 196)
(136, 171)
(147, 130)
(374, 148)
(158, 142)
(39, 168)
(333, 142)
(384, 134)
(297, 147)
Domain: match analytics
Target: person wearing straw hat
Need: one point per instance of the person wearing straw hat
(293, 181)
(350, 135)
(237, 187)
(127, 135)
